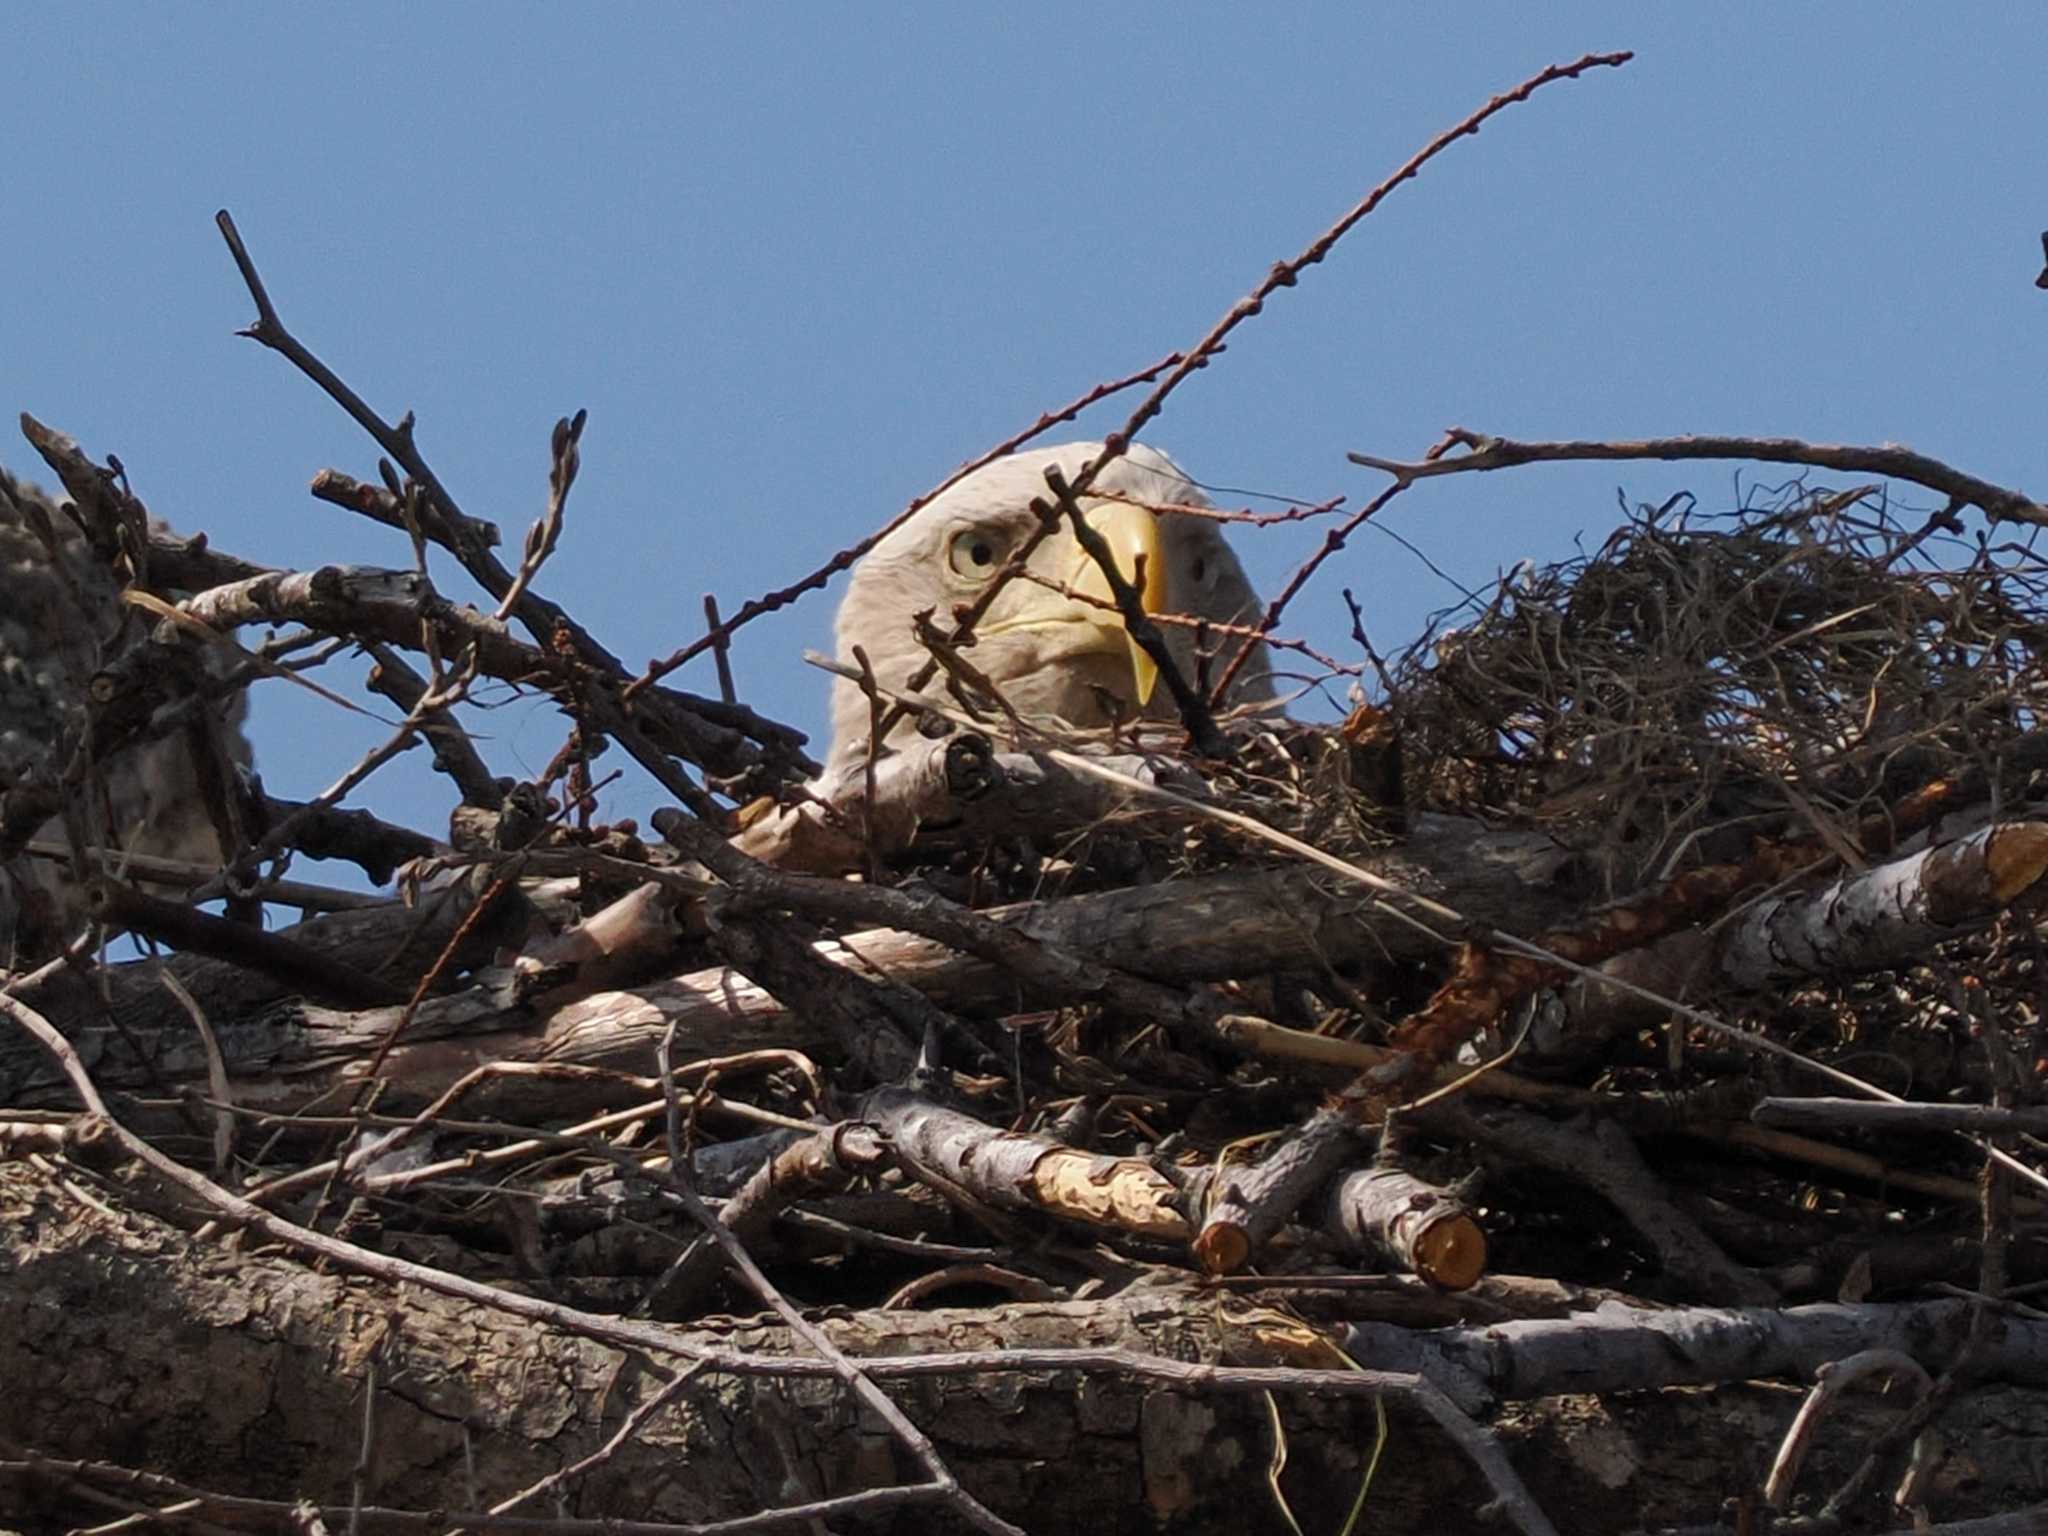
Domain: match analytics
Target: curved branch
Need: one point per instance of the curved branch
(1484, 452)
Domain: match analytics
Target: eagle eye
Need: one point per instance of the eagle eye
(975, 553)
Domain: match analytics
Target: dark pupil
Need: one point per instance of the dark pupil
(1201, 568)
(981, 554)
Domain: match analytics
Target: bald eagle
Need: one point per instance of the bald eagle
(1052, 642)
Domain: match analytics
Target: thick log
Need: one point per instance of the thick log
(123, 1337)
(113, 1009)
(1879, 917)
(1871, 920)
(284, 1054)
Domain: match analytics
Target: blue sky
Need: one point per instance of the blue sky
(799, 261)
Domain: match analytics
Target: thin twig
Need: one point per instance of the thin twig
(545, 534)
(721, 649)
(1284, 274)
(1334, 540)
(637, 1420)
(1486, 452)
(1194, 711)
(878, 1402)
(769, 602)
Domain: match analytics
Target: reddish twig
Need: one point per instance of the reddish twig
(1333, 541)
(1284, 274)
(1189, 621)
(1245, 515)
(719, 633)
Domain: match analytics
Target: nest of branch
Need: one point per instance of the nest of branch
(1699, 681)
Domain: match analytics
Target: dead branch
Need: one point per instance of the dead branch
(1877, 918)
(1250, 1204)
(457, 1372)
(1413, 1224)
(1838, 1113)
(1485, 452)
(187, 928)
(1015, 1172)
(1638, 1348)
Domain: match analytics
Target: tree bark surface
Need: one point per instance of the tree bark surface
(124, 1338)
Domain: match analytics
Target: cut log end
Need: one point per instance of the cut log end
(1222, 1249)
(1451, 1254)
(2016, 859)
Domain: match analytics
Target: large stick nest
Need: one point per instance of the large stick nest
(1702, 680)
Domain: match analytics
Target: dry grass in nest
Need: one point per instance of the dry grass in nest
(1700, 680)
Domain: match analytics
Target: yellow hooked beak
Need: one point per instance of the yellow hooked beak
(1090, 618)
(1132, 534)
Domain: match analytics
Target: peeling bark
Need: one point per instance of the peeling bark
(1879, 917)
(1015, 1172)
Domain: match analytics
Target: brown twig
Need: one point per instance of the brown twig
(188, 928)
(1194, 711)
(72, 1475)
(1201, 626)
(769, 602)
(1487, 452)
(1285, 274)
(1299, 512)
(721, 649)
(1334, 540)
(636, 1421)
(857, 1381)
